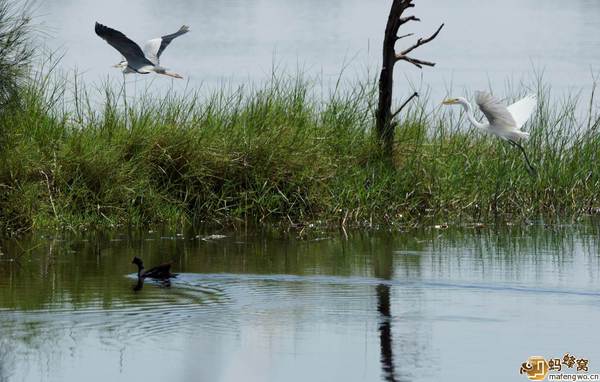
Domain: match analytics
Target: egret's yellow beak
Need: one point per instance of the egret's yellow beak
(450, 101)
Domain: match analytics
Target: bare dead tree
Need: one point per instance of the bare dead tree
(384, 116)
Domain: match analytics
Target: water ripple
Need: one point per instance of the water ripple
(217, 302)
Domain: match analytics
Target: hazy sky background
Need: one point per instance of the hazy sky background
(484, 43)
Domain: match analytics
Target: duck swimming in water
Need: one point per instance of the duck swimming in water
(160, 272)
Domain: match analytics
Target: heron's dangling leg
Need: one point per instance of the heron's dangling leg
(124, 88)
(159, 70)
(125, 97)
(530, 169)
(171, 74)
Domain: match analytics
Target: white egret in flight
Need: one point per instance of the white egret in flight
(136, 60)
(503, 121)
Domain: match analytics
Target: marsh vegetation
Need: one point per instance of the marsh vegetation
(75, 156)
(276, 154)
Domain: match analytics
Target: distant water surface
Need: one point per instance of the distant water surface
(233, 42)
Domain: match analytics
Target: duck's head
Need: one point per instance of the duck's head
(137, 261)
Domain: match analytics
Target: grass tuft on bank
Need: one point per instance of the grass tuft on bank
(275, 154)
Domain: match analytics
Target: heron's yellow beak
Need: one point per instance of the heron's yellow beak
(450, 101)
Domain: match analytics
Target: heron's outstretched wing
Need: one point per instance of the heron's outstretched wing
(154, 48)
(129, 49)
(496, 112)
(522, 110)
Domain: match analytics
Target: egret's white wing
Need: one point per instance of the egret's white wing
(522, 110)
(501, 120)
(154, 48)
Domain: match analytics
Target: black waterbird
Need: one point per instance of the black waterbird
(160, 272)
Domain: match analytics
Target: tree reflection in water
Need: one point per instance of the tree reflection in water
(383, 268)
(385, 332)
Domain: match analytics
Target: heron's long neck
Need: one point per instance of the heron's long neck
(471, 116)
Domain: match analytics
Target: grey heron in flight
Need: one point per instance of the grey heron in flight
(136, 60)
(503, 121)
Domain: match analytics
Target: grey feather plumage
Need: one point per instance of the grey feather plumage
(166, 40)
(131, 51)
(134, 58)
(155, 47)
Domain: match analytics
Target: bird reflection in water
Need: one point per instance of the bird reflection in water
(139, 285)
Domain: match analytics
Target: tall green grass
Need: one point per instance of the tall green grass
(75, 158)
(16, 49)
(276, 154)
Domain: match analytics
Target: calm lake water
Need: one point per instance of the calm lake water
(421, 305)
(427, 305)
(484, 44)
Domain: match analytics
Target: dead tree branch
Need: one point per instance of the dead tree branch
(384, 115)
(404, 20)
(404, 36)
(422, 41)
(415, 94)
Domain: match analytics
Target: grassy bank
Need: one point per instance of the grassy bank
(274, 154)
(74, 158)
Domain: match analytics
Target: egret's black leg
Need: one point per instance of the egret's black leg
(530, 168)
